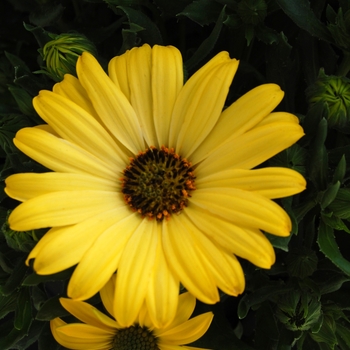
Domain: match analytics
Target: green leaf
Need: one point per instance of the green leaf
(51, 309)
(318, 164)
(302, 15)
(340, 170)
(327, 333)
(343, 333)
(329, 195)
(15, 279)
(260, 295)
(328, 246)
(207, 45)
(335, 222)
(46, 14)
(202, 12)
(150, 32)
(34, 279)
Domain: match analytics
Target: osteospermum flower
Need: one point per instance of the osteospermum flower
(152, 179)
(100, 332)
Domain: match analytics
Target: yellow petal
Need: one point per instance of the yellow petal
(163, 289)
(82, 337)
(29, 185)
(71, 88)
(101, 259)
(251, 148)
(187, 332)
(200, 103)
(87, 314)
(240, 117)
(185, 260)
(72, 240)
(243, 208)
(140, 82)
(134, 270)
(223, 266)
(61, 209)
(269, 182)
(52, 152)
(107, 295)
(76, 125)
(185, 96)
(167, 80)
(185, 307)
(110, 103)
(279, 117)
(250, 244)
(118, 72)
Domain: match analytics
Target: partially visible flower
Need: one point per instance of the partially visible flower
(152, 179)
(334, 92)
(101, 332)
(61, 53)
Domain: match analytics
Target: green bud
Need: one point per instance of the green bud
(20, 241)
(252, 11)
(61, 54)
(339, 26)
(298, 311)
(334, 92)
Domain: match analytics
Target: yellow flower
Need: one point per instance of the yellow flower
(152, 179)
(100, 332)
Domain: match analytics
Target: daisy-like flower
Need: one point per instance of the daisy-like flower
(100, 332)
(150, 178)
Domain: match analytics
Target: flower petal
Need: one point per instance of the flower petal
(223, 266)
(52, 152)
(118, 72)
(134, 271)
(167, 81)
(243, 208)
(107, 295)
(61, 209)
(247, 243)
(71, 88)
(140, 82)
(252, 148)
(269, 182)
(200, 103)
(240, 117)
(29, 185)
(87, 314)
(185, 260)
(72, 240)
(82, 336)
(110, 103)
(185, 307)
(187, 332)
(74, 124)
(163, 289)
(101, 259)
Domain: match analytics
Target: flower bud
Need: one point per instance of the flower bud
(61, 54)
(252, 11)
(298, 311)
(334, 92)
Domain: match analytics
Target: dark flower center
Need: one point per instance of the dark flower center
(134, 338)
(158, 182)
